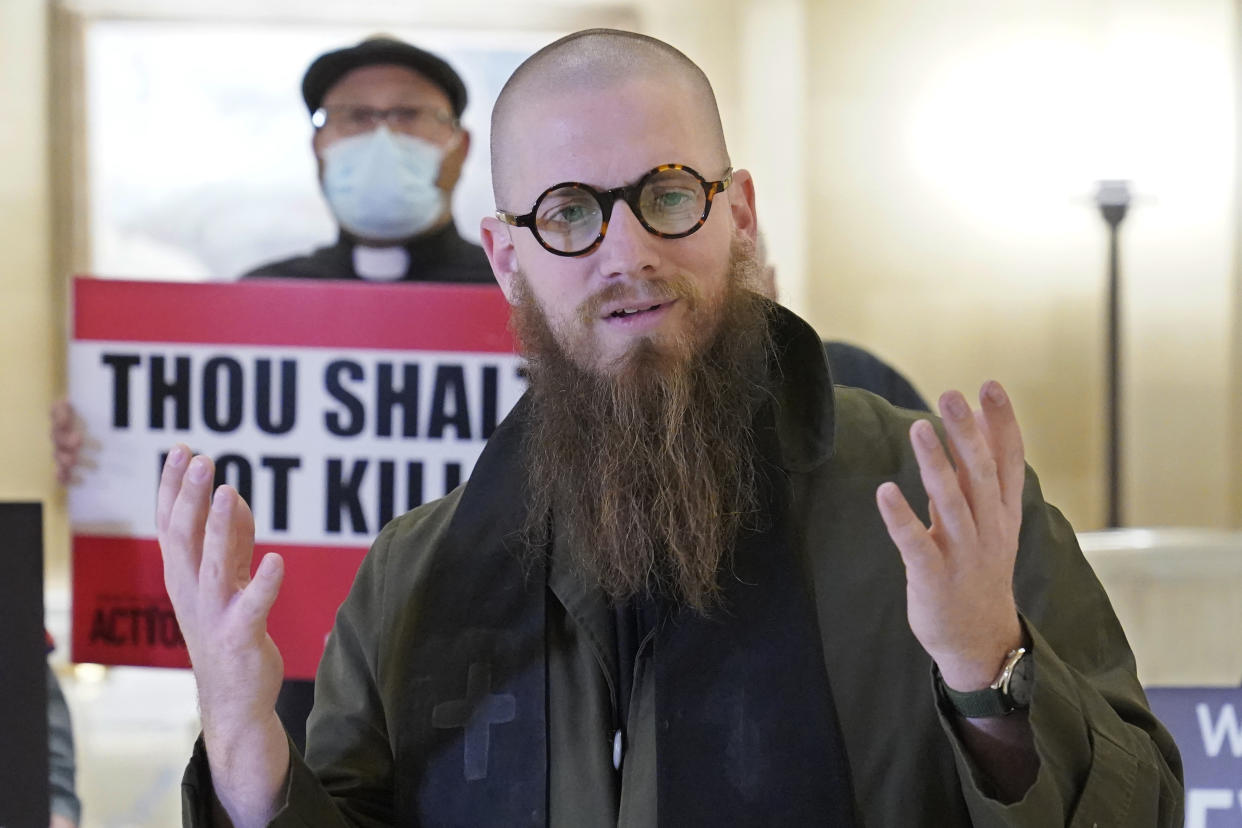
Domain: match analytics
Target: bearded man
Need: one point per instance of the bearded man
(669, 594)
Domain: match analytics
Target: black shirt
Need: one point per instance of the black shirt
(438, 256)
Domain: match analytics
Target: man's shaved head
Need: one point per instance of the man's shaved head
(595, 59)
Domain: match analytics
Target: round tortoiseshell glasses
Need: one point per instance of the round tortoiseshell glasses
(571, 219)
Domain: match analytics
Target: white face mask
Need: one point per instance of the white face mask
(382, 186)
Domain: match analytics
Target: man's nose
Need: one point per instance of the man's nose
(628, 249)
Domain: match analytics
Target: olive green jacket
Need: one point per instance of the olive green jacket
(1104, 759)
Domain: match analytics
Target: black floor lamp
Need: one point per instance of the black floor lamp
(1113, 199)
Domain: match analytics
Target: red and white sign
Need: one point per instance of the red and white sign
(332, 407)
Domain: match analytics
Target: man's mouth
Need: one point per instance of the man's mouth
(625, 313)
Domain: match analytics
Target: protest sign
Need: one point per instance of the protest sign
(332, 407)
(1206, 723)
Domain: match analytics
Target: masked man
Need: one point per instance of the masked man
(689, 582)
(390, 147)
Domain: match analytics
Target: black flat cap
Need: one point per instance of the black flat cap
(330, 67)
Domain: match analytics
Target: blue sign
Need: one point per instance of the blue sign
(1207, 725)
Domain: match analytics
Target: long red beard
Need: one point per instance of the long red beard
(648, 469)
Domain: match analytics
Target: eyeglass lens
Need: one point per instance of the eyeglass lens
(670, 202)
(352, 119)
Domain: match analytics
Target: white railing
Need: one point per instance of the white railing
(1178, 593)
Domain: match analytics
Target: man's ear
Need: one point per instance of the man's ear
(498, 245)
(741, 195)
(450, 167)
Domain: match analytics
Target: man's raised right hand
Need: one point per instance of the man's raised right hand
(207, 544)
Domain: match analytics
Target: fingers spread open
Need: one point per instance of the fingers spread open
(977, 468)
(243, 536)
(225, 566)
(904, 527)
(1005, 437)
(942, 484)
(181, 538)
(259, 595)
(170, 485)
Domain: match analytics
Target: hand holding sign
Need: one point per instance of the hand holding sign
(207, 544)
(68, 441)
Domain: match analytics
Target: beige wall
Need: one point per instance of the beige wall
(29, 320)
(951, 153)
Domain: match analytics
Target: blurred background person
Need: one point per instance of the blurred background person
(389, 147)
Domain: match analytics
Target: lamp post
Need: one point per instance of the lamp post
(1113, 199)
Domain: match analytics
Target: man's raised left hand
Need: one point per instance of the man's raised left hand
(959, 571)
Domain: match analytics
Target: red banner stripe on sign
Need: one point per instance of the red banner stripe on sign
(122, 615)
(288, 312)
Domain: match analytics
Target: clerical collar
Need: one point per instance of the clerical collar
(381, 264)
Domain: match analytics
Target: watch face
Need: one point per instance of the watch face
(1022, 681)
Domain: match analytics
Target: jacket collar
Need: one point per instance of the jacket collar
(801, 393)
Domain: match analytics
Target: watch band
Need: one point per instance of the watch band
(993, 700)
